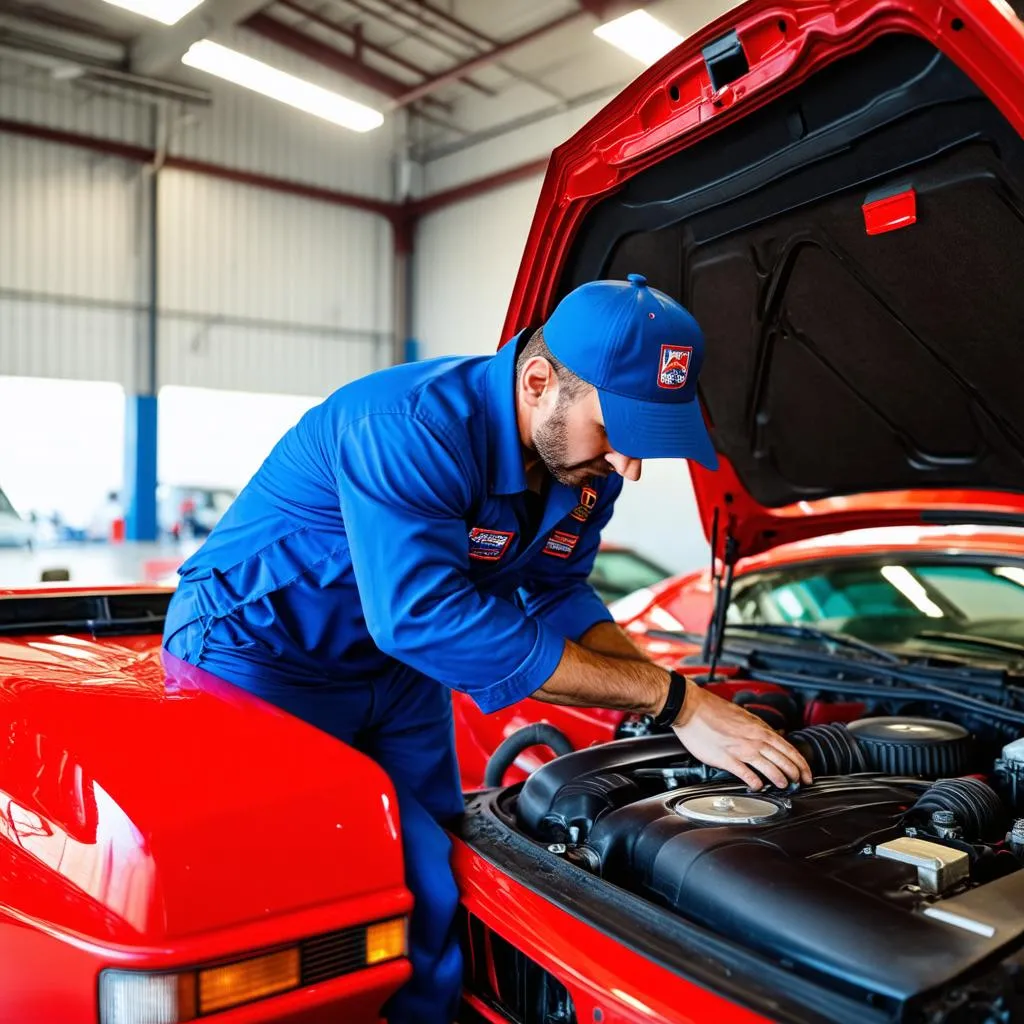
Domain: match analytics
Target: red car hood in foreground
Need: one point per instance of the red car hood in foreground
(139, 806)
(855, 270)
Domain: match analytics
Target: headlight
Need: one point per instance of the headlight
(147, 997)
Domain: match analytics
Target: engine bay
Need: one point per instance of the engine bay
(894, 875)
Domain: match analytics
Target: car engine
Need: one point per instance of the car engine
(895, 871)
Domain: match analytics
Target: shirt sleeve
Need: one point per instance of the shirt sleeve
(404, 493)
(556, 589)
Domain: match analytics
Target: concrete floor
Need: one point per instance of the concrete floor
(95, 564)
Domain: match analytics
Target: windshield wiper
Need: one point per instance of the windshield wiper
(966, 639)
(823, 636)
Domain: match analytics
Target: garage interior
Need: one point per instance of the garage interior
(423, 734)
(187, 264)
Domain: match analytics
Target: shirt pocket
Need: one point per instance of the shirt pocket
(493, 539)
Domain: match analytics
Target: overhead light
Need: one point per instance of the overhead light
(279, 85)
(165, 11)
(640, 35)
(912, 589)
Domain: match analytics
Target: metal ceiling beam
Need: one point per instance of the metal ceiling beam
(59, 20)
(426, 155)
(475, 42)
(20, 27)
(361, 41)
(456, 23)
(156, 51)
(484, 59)
(68, 65)
(481, 186)
(327, 56)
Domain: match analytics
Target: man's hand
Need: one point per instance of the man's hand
(723, 735)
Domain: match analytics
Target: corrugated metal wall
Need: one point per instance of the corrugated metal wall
(286, 294)
(71, 266)
(258, 290)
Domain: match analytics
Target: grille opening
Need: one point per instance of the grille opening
(504, 979)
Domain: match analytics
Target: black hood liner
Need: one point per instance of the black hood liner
(839, 362)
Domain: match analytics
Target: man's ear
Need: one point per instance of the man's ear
(538, 377)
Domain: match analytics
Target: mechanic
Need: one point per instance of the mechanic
(431, 527)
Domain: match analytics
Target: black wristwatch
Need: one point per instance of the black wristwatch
(674, 702)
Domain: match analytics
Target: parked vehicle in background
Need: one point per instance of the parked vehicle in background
(915, 590)
(619, 571)
(185, 511)
(15, 532)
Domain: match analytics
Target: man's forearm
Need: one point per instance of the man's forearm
(587, 678)
(609, 638)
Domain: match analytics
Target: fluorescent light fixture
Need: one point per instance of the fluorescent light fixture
(279, 85)
(166, 11)
(1011, 572)
(911, 588)
(640, 35)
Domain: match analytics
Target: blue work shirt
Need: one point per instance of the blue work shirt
(387, 526)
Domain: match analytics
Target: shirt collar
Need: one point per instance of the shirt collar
(508, 475)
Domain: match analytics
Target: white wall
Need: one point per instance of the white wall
(466, 260)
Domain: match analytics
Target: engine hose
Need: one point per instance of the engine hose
(830, 749)
(978, 809)
(538, 734)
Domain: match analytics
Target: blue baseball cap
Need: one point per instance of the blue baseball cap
(643, 352)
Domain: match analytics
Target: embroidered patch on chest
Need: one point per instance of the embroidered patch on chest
(488, 545)
(561, 544)
(588, 499)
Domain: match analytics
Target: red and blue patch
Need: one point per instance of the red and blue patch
(561, 544)
(675, 366)
(488, 545)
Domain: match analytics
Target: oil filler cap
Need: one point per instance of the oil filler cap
(726, 809)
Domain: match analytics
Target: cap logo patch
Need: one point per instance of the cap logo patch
(675, 366)
(588, 499)
(488, 545)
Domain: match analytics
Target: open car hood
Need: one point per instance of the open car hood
(836, 192)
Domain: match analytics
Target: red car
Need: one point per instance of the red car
(835, 190)
(155, 864)
(916, 590)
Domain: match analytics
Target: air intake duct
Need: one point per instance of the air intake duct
(913, 746)
(829, 749)
(977, 807)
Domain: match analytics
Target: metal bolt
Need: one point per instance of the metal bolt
(1017, 832)
(943, 818)
(557, 848)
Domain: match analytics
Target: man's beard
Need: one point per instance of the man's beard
(551, 441)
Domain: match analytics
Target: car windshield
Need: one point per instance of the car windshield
(618, 572)
(892, 601)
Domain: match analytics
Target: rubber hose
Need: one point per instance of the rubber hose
(538, 734)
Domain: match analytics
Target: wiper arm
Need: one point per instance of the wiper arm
(966, 639)
(800, 632)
